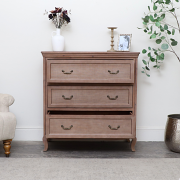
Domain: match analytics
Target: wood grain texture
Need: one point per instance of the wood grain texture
(90, 71)
(44, 96)
(90, 126)
(90, 96)
(76, 89)
(133, 143)
(89, 55)
(45, 141)
(7, 147)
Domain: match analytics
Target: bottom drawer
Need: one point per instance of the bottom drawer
(89, 126)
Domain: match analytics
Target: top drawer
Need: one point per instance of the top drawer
(90, 71)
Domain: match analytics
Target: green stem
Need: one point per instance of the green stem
(177, 21)
(173, 51)
(169, 25)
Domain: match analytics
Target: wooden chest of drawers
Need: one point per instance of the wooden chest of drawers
(89, 95)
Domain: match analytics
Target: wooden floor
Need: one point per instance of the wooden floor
(88, 149)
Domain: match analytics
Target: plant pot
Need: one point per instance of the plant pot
(172, 132)
(57, 41)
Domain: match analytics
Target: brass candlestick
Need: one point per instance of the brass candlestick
(112, 38)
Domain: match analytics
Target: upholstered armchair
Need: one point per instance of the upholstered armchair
(7, 122)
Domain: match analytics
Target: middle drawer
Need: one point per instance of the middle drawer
(90, 96)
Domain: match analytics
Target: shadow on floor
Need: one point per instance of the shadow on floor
(89, 149)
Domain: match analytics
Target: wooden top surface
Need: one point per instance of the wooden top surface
(121, 54)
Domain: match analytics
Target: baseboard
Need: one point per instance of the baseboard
(150, 133)
(36, 134)
(28, 134)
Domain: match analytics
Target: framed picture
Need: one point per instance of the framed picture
(124, 42)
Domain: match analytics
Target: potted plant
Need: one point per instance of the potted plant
(162, 32)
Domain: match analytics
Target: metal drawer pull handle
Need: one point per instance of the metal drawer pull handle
(67, 72)
(112, 98)
(67, 98)
(114, 128)
(67, 128)
(113, 72)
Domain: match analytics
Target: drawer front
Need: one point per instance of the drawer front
(90, 96)
(79, 126)
(90, 71)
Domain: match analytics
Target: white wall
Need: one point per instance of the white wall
(25, 32)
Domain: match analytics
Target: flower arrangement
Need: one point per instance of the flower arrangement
(59, 16)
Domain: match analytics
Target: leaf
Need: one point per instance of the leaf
(160, 11)
(149, 48)
(164, 46)
(172, 39)
(151, 28)
(158, 24)
(149, 8)
(177, 0)
(167, 1)
(144, 62)
(155, 66)
(165, 27)
(158, 57)
(161, 29)
(147, 75)
(163, 37)
(155, 33)
(172, 10)
(142, 72)
(160, 1)
(144, 23)
(144, 51)
(152, 36)
(158, 41)
(173, 31)
(174, 43)
(162, 56)
(159, 34)
(146, 19)
(169, 32)
(152, 59)
(155, 15)
(163, 16)
(149, 54)
(156, 53)
(151, 18)
(145, 30)
(159, 19)
(147, 68)
(154, 7)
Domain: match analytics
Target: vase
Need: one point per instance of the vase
(57, 40)
(172, 132)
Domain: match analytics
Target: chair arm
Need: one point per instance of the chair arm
(6, 100)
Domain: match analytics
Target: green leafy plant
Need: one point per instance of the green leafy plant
(162, 32)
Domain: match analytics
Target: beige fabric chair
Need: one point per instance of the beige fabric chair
(7, 122)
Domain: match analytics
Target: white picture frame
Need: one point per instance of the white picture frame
(124, 42)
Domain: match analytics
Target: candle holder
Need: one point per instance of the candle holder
(112, 38)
